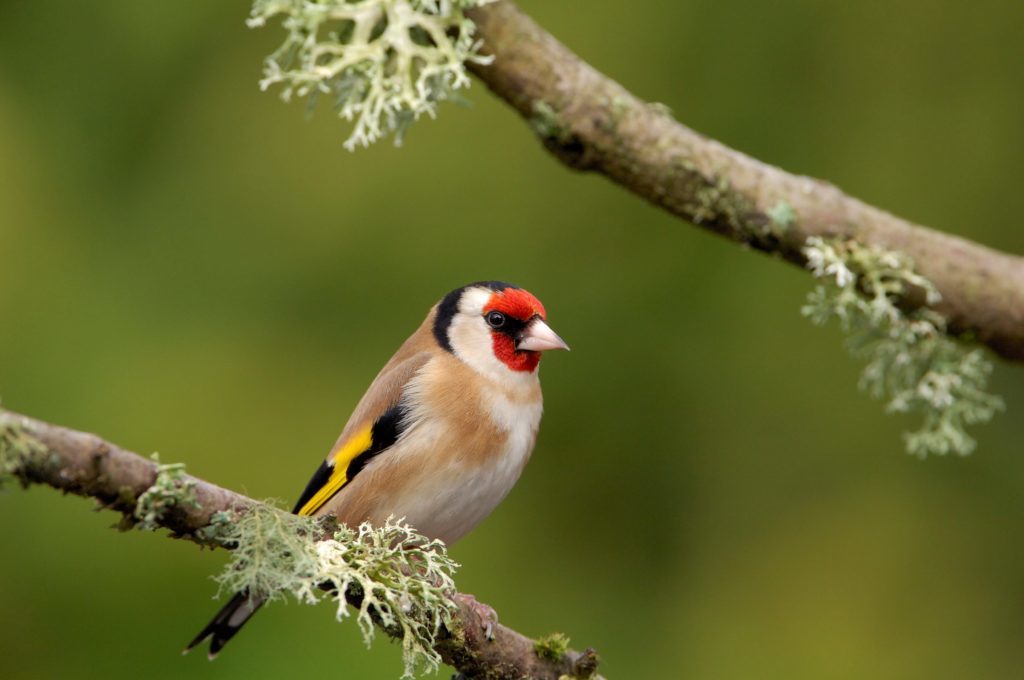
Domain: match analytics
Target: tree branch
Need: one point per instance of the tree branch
(592, 123)
(86, 465)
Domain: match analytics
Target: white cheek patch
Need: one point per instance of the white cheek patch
(470, 335)
(471, 341)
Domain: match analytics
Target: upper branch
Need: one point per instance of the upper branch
(590, 122)
(85, 465)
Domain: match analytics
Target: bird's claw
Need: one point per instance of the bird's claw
(486, 615)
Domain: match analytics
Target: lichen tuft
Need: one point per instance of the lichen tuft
(912, 362)
(403, 580)
(383, 63)
(546, 122)
(215, 531)
(19, 451)
(171, 488)
(781, 218)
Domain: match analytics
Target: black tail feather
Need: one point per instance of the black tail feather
(228, 621)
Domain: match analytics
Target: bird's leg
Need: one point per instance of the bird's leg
(488, 618)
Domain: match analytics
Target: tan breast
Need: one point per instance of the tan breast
(466, 446)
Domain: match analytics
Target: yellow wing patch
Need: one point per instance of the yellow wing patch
(360, 442)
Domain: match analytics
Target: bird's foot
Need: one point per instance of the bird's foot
(485, 614)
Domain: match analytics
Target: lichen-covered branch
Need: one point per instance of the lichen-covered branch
(592, 123)
(151, 494)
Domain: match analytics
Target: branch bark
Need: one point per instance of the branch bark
(86, 465)
(591, 123)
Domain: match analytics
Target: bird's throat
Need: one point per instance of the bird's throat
(505, 349)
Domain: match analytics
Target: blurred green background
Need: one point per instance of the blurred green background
(190, 266)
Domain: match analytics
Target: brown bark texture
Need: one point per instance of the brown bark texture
(592, 123)
(86, 465)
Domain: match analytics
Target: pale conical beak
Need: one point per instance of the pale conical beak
(538, 336)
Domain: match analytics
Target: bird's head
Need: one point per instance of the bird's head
(495, 327)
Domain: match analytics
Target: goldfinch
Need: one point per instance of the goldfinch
(443, 432)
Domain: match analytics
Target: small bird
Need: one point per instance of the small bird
(441, 435)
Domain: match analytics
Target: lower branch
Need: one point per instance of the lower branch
(85, 465)
(590, 122)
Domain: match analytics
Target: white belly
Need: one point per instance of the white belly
(449, 504)
(449, 493)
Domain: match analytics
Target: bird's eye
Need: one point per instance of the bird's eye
(495, 319)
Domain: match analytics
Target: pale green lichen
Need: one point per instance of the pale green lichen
(383, 63)
(171, 488)
(546, 122)
(551, 647)
(781, 218)
(619, 108)
(214, 532)
(660, 108)
(19, 450)
(912, 362)
(714, 201)
(402, 579)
